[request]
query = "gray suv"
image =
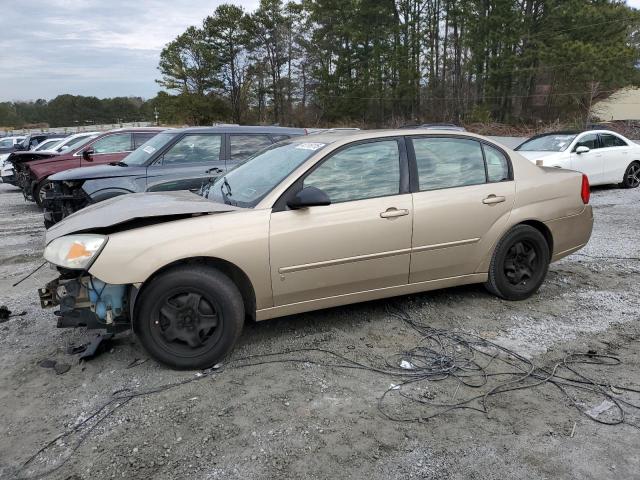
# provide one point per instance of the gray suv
(176, 159)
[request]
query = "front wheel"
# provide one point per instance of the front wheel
(40, 191)
(189, 317)
(519, 264)
(631, 177)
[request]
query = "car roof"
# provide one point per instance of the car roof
(241, 129)
(356, 135)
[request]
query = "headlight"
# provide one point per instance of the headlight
(75, 251)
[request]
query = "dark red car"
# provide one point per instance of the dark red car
(32, 169)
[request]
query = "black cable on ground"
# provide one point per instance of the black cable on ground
(472, 363)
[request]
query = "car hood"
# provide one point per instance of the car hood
(97, 172)
(134, 210)
(27, 156)
(533, 156)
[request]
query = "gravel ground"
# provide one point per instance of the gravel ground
(302, 420)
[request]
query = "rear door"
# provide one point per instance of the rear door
(243, 146)
(590, 163)
(110, 148)
(463, 193)
(615, 157)
(188, 164)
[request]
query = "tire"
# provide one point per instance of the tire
(40, 190)
(189, 317)
(519, 264)
(631, 177)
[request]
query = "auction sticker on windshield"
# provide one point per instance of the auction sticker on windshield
(310, 146)
(149, 149)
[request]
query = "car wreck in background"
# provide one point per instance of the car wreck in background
(32, 169)
(180, 159)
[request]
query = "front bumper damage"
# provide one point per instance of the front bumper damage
(62, 200)
(85, 301)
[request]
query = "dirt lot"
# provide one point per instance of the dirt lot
(302, 420)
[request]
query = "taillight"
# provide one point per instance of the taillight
(585, 191)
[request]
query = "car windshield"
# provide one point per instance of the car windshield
(144, 152)
(547, 143)
(249, 182)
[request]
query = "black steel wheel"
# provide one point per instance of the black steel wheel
(189, 317)
(632, 176)
(519, 264)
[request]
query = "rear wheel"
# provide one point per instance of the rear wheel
(189, 317)
(519, 264)
(631, 177)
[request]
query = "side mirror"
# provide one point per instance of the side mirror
(582, 149)
(309, 197)
(86, 154)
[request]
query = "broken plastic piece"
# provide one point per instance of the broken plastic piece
(407, 365)
(96, 346)
(597, 410)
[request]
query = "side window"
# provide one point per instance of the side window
(194, 149)
(119, 142)
(448, 162)
(140, 137)
(362, 171)
(243, 146)
(497, 164)
(590, 140)
(609, 140)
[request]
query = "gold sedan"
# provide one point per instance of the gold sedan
(311, 223)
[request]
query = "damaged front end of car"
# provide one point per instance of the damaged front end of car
(82, 299)
(85, 301)
(63, 199)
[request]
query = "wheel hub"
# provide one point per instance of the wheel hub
(187, 318)
(520, 263)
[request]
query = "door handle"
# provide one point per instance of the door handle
(491, 199)
(394, 212)
(214, 170)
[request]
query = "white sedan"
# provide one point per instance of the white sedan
(605, 157)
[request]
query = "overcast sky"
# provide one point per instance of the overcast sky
(104, 48)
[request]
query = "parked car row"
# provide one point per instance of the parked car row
(285, 222)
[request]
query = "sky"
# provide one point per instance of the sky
(103, 48)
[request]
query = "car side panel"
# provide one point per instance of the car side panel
(544, 195)
(241, 238)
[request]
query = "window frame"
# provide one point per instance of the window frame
(236, 134)
(159, 159)
(413, 162)
(404, 185)
(97, 139)
(601, 140)
(583, 135)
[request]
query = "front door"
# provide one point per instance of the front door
(458, 205)
(188, 164)
(590, 163)
(110, 148)
(360, 242)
